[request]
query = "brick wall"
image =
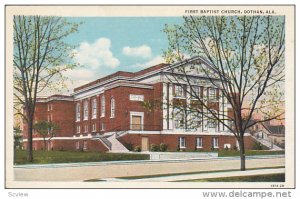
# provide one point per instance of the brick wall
(172, 141)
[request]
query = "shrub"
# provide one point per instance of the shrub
(137, 149)
(154, 147)
(235, 148)
(163, 147)
(259, 146)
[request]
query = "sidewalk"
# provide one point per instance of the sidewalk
(201, 176)
(97, 170)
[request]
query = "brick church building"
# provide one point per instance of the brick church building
(111, 114)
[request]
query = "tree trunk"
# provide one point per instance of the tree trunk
(242, 153)
(45, 144)
(29, 141)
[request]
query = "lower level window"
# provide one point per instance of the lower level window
(199, 142)
(215, 142)
(84, 145)
(102, 126)
(182, 142)
(94, 127)
(77, 145)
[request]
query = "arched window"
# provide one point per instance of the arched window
(77, 112)
(112, 107)
(85, 110)
(94, 109)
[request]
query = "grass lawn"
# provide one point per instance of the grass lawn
(225, 153)
(255, 178)
(45, 157)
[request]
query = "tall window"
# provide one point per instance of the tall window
(112, 107)
(85, 110)
(179, 119)
(78, 112)
(179, 91)
(94, 115)
(196, 92)
(181, 142)
(212, 94)
(102, 106)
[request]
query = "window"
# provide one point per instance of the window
(195, 120)
(102, 126)
(112, 107)
(94, 114)
(211, 123)
(94, 127)
(179, 91)
(212, 94)
(199, 142)
(48, 107)
(86, 128)
(136, 121)
(85, 110)
(77, 145)
(215, 143)
(179, 118)
(78, 129)
(51, 107)
(102, 106)
(136, 97)
(181, 142)
(84, 145)
(78, 112)
(197, 92)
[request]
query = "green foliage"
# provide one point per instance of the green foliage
(154, 147)
(46, 129)
(47, 157)
(17, 138)
(259, 146)
(224, 153)
(163, 147)
(137, 149)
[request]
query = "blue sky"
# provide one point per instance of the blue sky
(109, 44)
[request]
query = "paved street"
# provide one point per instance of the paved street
(99, 170)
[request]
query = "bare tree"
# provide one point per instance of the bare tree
(242, 57)
(40, 56)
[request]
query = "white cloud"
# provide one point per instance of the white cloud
(143, 51)
(96, 55)
(156, 60)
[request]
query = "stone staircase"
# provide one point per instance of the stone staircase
(112, 143)
(267, 143)
(116, 146)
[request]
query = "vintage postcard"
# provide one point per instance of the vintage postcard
(150, 96)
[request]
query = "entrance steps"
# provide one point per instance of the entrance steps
(116, 146)
(267, 143)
